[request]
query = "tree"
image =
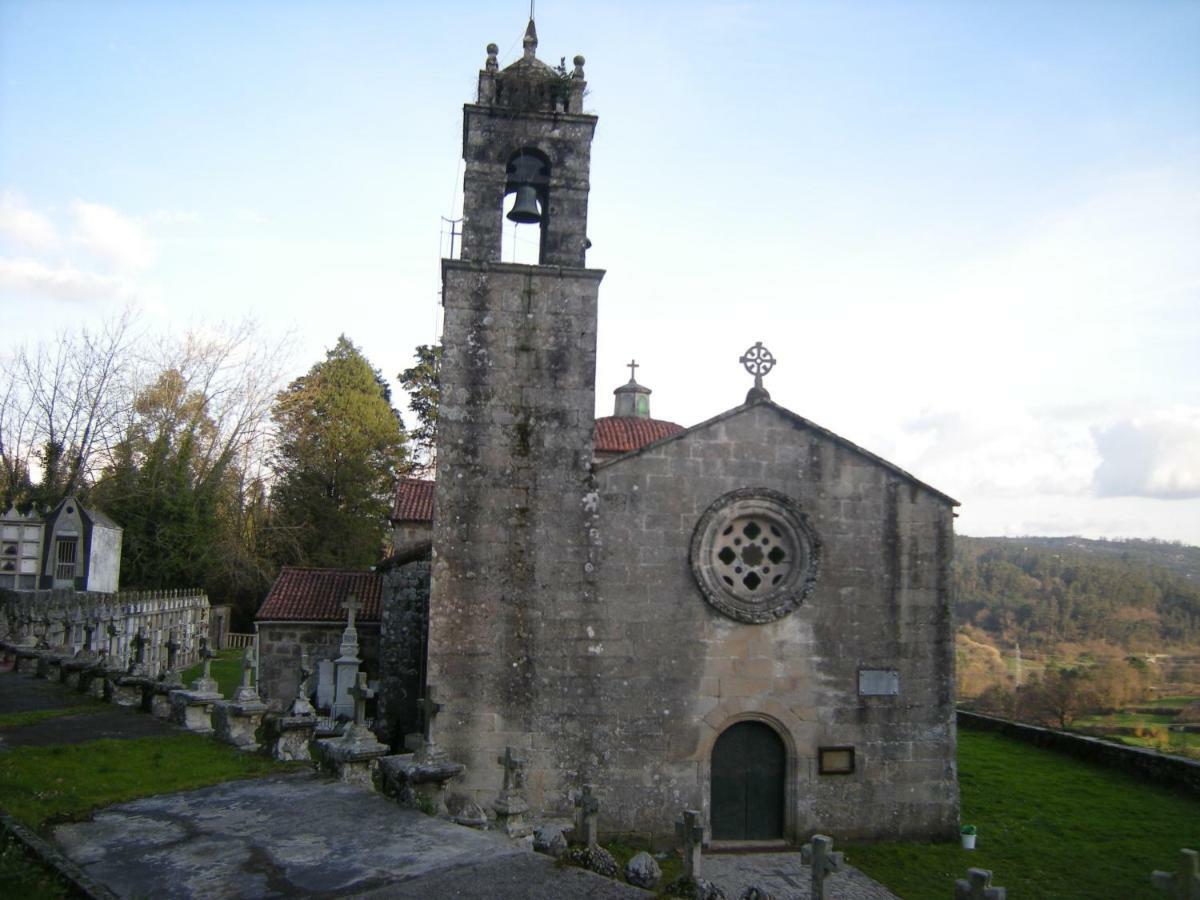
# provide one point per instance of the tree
(423, 384)
(59, 411)
(1059, 696)
(340, 447)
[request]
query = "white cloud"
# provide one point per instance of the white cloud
(25, 277)
(112, 236)
(1151, 456)
(25, 226)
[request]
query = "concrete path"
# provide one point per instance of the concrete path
(786, 878)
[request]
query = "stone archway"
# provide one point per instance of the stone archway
(748, 783)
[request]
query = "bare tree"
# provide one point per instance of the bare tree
(61, 405)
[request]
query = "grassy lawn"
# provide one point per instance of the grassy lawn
(1050, 827)
(28, 717)
(27, 878)
(43, 785)
(226, 669)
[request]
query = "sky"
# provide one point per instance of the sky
(969, 232)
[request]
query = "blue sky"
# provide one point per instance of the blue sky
(968, 231)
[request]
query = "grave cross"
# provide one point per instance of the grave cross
(361, 694)
(977, 886)
(512, 769)
(819, 854)
(589, 811)
(691, 832)
(429, 710)
(352, 605)
(172, 650)
(247, 666)
(1184, 882)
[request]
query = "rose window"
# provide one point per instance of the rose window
(754, 555)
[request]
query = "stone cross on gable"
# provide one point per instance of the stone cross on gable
(589, 812)
(632, 367)
(1184, 882)
(820, 855)
(429, 710)
(512, 769)
(361, 694)
(691, 832)
(977, 886)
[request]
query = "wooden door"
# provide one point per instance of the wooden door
(748, 775)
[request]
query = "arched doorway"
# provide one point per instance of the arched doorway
(749, 764)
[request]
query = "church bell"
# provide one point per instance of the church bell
(525, 209)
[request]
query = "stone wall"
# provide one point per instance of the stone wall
(279, 652)
(656, 673)
(1174, 771)
(60, 621)
(404, 627)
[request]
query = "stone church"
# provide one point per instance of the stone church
(750, 616)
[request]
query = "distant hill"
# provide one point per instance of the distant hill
(1137, 595)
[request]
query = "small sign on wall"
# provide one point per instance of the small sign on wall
(878, 682)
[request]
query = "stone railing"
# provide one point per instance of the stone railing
(123, 628)
(235, 641)
(1160, 767)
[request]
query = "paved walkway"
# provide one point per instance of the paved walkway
(300, 835)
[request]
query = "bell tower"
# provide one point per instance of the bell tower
(511, 541)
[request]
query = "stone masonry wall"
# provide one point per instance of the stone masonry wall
(510, 543)
(404, 629)
(279, 652)
(658, 673)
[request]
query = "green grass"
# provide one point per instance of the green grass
(43, 785)
(226, 669)
(25, 877)
(28, 717)
(625, 850)
(1050, 827)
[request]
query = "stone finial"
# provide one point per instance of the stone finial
(977, 886)
(579, 61)
(758, 361)
(492, 64)
(691, 832)
(530, 41)
(820, 855)
(585, 819)
(1184, 882)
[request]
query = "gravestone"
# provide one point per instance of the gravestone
(691, 832)
(510, 805)
(824, 860)
(350, 756)
(326, 684)
(419, 778)
(1184, 882)
(236, 721)
(291, 735)
(347, 663)
(977, 886)
(587, 811)
(193, 708)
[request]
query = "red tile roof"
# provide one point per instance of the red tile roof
(317, 595)
(621, 434)
(413, 501)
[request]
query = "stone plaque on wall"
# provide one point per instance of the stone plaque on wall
(878, 682)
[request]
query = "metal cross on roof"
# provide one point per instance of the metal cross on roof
(632, 366)
(758, 361)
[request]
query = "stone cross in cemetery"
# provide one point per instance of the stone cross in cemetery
(88, 630)
(977, 886)
(246, 693)
(139, 650)
(205, 683)
(423, 744)
(172, 651)
(585, 819)
(361, 692)
(820, 855)
(1184, 882)
(113, 631)
(510, 806)
(347, 663)
(691, 832)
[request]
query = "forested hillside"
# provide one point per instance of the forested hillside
(1139, 596)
